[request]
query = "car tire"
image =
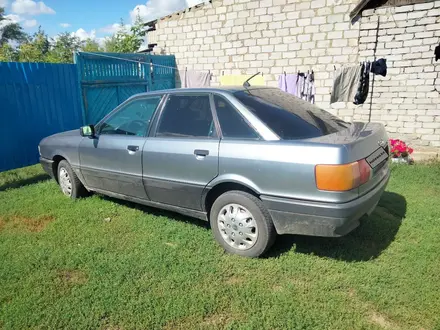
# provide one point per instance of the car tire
(251, 234)
(69, 183)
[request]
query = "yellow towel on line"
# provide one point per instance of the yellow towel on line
(238, 80)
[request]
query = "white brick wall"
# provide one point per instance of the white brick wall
(405, 101)
(273, 36)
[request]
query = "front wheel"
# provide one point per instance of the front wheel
(69, 183)
(241, 224)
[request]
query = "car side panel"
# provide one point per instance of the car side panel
(62, 144)
(65, 145)
(108, 165)
(172, 172)
(280, 169)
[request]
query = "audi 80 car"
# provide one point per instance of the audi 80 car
(253, 161)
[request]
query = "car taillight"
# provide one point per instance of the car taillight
(342, 177)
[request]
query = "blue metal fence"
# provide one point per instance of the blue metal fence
(108, 79)
(36, 100)
(40, 99)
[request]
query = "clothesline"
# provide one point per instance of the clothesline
(309, 86)
(135, 61)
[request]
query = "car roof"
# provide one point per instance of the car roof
(220, 89)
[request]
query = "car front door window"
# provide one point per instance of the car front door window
(133, 119)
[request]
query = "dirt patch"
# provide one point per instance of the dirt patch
(234, 280)
(34, 225)
(381, 321)
(277, 288)
(182, 323)
(216, 320)
(351, 293)
(374, 317)
(72, 276)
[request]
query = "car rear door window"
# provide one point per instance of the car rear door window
(187, 116)
(132, 119)
(288, 116)
(232, 124)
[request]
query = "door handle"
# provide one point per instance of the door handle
(201, 153)
(132, 149)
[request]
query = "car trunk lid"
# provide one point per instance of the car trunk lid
(367, 141)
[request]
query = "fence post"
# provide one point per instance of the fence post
(79, 71)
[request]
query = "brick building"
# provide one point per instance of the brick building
(276, 36)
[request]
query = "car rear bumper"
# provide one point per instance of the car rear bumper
(322, 219)
(47, 165)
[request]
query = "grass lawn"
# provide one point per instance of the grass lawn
(63, 264)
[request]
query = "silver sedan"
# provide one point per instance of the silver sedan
(255, 162)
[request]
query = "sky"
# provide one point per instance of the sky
(94, 19)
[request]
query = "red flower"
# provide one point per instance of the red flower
(399, 148)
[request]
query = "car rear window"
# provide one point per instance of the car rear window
(288, 116)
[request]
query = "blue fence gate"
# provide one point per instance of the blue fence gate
(36, 100)
(108, 79)
(40, 99)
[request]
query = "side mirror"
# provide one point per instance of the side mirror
(88, 131)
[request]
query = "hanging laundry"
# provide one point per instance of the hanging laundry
(288, 83)
(345, 84)
(301, 85)
(364, 84)
(437, 53)
(282, 82)
(309, 88)
(379, 67)
(238, 80)
(194, 79)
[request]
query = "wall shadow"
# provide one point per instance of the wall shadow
(366, 242)
(25, 182)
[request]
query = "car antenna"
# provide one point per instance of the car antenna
(246, 83)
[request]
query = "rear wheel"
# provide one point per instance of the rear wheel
(241, 224)
(69, 183)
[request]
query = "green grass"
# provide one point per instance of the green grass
(63, 266)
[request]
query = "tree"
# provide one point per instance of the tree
(63, 47)
(9, 31)
(35, 49)
(111, 44)
(90, 45)
(124, 41)
(29, 53)
(7, 53)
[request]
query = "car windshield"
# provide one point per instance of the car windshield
(288, 116)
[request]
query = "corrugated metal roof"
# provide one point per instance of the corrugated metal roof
(152, 22)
